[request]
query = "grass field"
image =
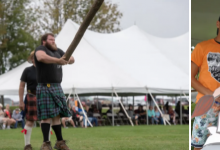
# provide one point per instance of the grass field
(107, 138)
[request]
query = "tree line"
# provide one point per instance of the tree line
(22, 22)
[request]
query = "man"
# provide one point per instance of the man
(51, 103)
(29, 105)
(16, 115)
(205, 60)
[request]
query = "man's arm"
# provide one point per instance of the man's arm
(43, 57)
(195, 83)
(21, 94)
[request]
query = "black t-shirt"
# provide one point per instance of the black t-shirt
(29, 76)
(49, 73)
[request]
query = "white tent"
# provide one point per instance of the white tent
(157, 63)
(96, 69)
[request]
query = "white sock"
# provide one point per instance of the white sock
(8, 127)
(3, 127)
(27, 136)
(49, 133)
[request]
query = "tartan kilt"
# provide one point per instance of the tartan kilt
(31, 107)
(51, 101)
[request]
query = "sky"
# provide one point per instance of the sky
(162, 18)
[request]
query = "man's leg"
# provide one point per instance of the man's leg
(45, 127)
(27, 135)
(16, 124)
(64, 122)
(56, 125)
(72, 123)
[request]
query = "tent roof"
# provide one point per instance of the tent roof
(153, 61)
(126, 61)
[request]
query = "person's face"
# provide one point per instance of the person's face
(16, 111)
(50, 43)
(151, 108)
(7, 106)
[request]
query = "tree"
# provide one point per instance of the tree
(57, 12)
(16, 41)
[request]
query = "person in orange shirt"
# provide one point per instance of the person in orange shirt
(205, 60)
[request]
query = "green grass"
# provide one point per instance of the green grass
(107, 138)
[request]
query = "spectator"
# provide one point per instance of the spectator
(158, 115)
(172, 115)
(71, 102)
(8, 115)
(109, 110)
(92, 119)
(16, 115)
(121, 110)
(151, 115)
(98, 105)
(140, 112)
(164, 111)
(4, 120)
(131, 114)
(69, 119)
(76, 116)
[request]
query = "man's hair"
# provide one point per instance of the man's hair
(44, 37)
(218, 28)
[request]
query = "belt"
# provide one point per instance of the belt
(48, 84)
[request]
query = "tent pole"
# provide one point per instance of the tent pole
(146, 109)
(158, 107)
(181, 121)
(69, 95)
(86, 118)
(133, 103)
(124, 108)
(112, 110)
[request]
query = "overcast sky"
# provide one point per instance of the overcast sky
(163, 18)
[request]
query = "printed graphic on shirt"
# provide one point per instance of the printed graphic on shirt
(213, 60)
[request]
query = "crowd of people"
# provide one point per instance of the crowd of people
(77, 118)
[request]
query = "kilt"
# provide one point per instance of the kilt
(31, 107)
(51, 101)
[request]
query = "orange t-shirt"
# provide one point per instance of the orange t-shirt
(206, 56)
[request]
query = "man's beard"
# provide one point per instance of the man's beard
(50, 46)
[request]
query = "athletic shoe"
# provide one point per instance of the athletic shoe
(28, 147)
(46, 146)
(61, 145)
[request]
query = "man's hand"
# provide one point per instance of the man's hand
(21, 105)
(62, 61)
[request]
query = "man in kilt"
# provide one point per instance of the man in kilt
(30, 107)
(51, 103)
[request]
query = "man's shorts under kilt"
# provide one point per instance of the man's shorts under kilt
(200, 132)
(51, 101)
(31, 107)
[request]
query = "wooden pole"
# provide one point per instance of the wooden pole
(82, 29)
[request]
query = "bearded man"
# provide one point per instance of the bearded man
(51, 103)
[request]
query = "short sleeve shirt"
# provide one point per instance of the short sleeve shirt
(49, 73)
(206, 56)
(29, 76)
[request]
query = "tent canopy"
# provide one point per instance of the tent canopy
(126, 62)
